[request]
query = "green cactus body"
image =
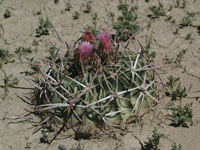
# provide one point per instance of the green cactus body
(112, 93)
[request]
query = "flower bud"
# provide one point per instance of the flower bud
(105, 42)
(84, 51)
(88, 36)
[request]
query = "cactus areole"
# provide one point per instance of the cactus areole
(98, 83)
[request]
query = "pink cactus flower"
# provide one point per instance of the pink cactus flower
(84, 51)
(105, 42)
(88, 36)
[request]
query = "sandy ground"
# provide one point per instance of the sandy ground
(19, 30)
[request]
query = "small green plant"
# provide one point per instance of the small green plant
(170, 8)
(175, 147)
(176, 60)
(184, 4)
(5, 57)
(152, 143)
(68, 6)
(180, 56)
(7, 13)
(9, 81)
(188, 36)
(56, 1)
(182, 115)
(172, 81)
(168, 18)
(112, 15)
(168, 60)
(35, 43)
(173, 21)
(88, 7)
(126, 24)
(176, 31)
(158, 10)
(175, 90)
(94, 21)
(39, 12)
(150, 55)
(21, 51)
(44, 25)
(53, 52)
(76, 15)
(198, 29)
(178, 4)
(187, 20)
(34, 65)
(45, 133)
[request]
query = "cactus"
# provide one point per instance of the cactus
(99, 82)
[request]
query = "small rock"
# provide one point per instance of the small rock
(61, 147)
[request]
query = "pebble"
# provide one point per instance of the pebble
(61, 147)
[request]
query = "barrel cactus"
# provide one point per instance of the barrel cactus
(99, 81)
